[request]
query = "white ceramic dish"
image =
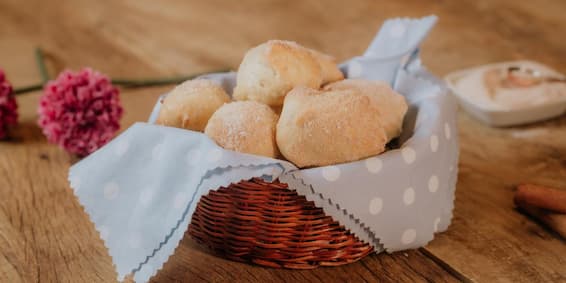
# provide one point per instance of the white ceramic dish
(502, 118)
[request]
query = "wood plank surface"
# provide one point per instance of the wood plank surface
(194, 264)
(45, 235)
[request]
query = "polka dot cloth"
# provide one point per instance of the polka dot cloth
(193, 157)
(104, 232)
(111, 190)
(409, 196)
(135, 241)
(408, 236)
(447, 133)
(434, 143)
(146, 197)
(375, 206)
(214, 155)
(409, 154)
(180, 200)
(374, 165)
(330, 173)
(436, 223)
(398, 30)
(433, 184)
(158, 151)
(122, 147)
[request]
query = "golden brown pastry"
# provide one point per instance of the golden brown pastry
(392, 105)
(191, 104)
(318, 128)
(272, 69)
(244, 126)
(330, 71)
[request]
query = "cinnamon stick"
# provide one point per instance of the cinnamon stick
(541, 197)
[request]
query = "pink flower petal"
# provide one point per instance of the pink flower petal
(80, 111)
(8, 106)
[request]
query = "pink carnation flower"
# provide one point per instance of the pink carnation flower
(8, 106)
(80, 111)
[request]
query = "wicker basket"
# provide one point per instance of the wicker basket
(268, 224)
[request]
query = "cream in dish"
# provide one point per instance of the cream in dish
(488, 87)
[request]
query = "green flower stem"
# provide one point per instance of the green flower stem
(40, 60)
(127, 83)
(30, 88)
(130, 83)
(158, 81)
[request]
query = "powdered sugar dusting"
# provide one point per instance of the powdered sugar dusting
(245, 126)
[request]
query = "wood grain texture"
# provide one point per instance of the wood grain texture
(45, 235)
(194, 264)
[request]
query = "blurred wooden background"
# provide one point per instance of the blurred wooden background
(45, 235)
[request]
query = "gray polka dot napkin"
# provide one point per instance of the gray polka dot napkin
(141, 189)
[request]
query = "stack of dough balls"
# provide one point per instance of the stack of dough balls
(323, 119)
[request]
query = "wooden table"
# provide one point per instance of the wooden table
(45, 235)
